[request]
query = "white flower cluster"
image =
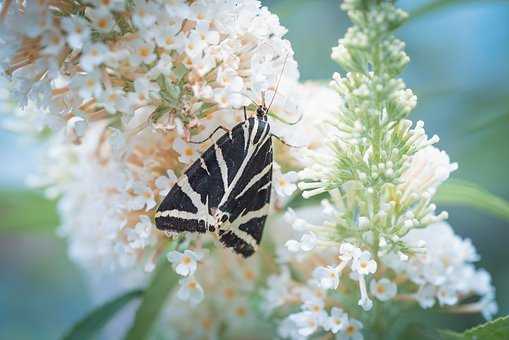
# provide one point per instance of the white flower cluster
(378, 235)
(445, 270)
(169, 65)
(122, 87)
(227, 311)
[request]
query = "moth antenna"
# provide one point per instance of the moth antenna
(263, 99)
(286, 121)
(278, 81)
(287, 144)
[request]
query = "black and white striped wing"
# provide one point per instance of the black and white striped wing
(227, 190)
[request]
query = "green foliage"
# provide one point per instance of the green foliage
(26, 211)
(92, 323)
(154, 298)
(493, 330)
(459, 192)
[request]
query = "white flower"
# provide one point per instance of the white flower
(327, 277)
(429, 168)
(166, 37)
(313, 304)
(284, 184)
(384, 289)
(101, 18)
(165, 183)
(76, 127)
(77, 29)
(363, 264)
(111, 5)
(141, 235)
(195, 45)
(365, 302)
(143, 52)
(447, 295)
(190, 290)
(337, 321)
(53, 42)
(184, 263)
(277, 291)
(145, 14)
(288, 329)
(143, 197)
(306, 322)
(88, 85)
(426, 296)
(93, 56)
(111, 99)
(348, 252)
(351, 331)
(307, 243)
(488, 306)
(187, 152)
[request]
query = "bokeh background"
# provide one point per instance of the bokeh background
(459, 70)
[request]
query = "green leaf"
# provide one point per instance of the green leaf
(154, 298)
(459, 192)
(26, 211)
(493, 330)
(92, 323)
(436, 5)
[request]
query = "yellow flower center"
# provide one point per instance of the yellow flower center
(102, 23)
(168, 40)
(186, 260)
(144, 52)
(241, 311)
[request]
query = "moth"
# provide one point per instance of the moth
(227, 189)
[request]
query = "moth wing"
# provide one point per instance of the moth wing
(249, 202)
(233, 175)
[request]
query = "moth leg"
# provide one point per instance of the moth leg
(212, 134)
(285, 143)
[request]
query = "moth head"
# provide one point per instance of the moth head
(261, 111)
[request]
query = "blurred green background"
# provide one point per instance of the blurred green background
(459, 70)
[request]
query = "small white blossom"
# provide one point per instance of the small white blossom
(166, 182)
(190, 290)
(351, 331)
(188, 152)
(141, 235)
(307, 243)
(363, 264)
(77, 29)
(306, 322)
(93, 56)
(327, 277)
(337, 320)
(184, 263)
(143, 197)
(384, 289)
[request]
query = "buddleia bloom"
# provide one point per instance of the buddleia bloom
(379, 237)
(122, 88)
